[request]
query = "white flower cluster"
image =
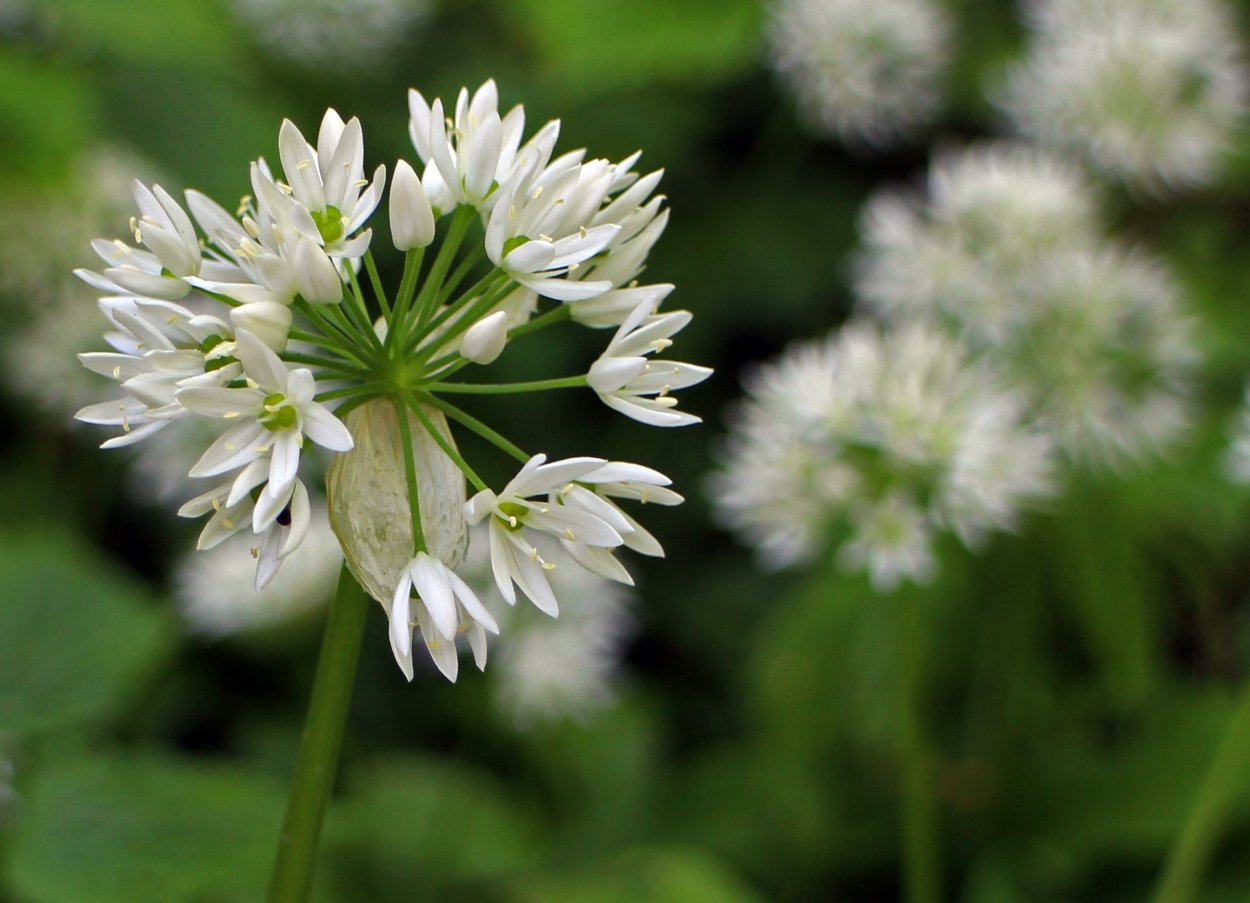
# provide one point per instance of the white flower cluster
(1151, 92)
(1007, 250)
(877, 440)
(291, 343)
(868, 72)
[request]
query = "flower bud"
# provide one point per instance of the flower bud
(412, 220)
(484, 340)
(315, 274)
(269, 321)
(367, 494)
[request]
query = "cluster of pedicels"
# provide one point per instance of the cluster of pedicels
(257, 323)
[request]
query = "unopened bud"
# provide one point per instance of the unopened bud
(484, 340)
(412, 220)
(269, 321)
(315, 274)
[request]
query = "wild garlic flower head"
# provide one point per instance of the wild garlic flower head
(867, 72)
(965, 247)
(256, 326)
(876, 440)
(1006, 250)
(1150, 92)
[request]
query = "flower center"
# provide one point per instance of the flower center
(278, 415)
(329, 223)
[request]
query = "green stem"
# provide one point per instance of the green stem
(1225, 779)
(318, 756)
(403, 298)
(472, 423)
(448, 449)
(427, 299)
(369, 389)
(537, 385)
(378, 288)
(918, 815)
(557, 315)
(465, 319)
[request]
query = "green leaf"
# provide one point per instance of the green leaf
(143, 827)
(76, 635)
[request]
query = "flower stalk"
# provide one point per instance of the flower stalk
(922, 876)
(320, 741)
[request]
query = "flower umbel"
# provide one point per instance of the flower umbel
(273, 329)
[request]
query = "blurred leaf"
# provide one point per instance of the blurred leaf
(656, 875)
(408, 825)
(76, 636)
(144, 827)
(593, 47)
(46, 110)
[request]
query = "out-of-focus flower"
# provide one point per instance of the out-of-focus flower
(866, 71)
(339, 36)
(215, 591)
(875, 440)
(1006, 250)
(1237, 456)
(1150, 92)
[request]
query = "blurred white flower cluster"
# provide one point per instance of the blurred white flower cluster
(1006, 248)
(868, 72)
(256, 327)
(1150, 91)
(876, 440)
(343, 36)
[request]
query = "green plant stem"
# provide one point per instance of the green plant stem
(378, 288)
(1226, 777)
(318, 756)
(537, 385)
(918, 815)
(475, 425)
(448, 449)
(413, 260)
(410, 473)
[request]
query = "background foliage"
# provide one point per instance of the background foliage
(1078, 674)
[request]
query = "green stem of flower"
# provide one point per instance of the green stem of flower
(556, 315)
(333, 332)
(448, 449)
(1224, 781)
(403, 298)
(475, 425)
(358, 310)
(537, 385)
(318, 756)
(410, 472)
(369, 389)
(458, 275)
(378, 288)
(427, 299)
(464, 320)
(325, 363)
(918, 815)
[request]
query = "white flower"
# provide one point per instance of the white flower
(484, 341)
(275, 411)
(478, 154)
(215, 589)
(895, 434)
(628, 380)
(445, 607)
(412, 220)
(1150, 92)
(866, 71)
(525, 505)
(327, 181)
(172, 255)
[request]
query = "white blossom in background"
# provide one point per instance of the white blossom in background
(1150, 91)
(868, 72)
(260, 335)
(875, 440)
(340, 36)
(1237, 455)
(1005, 249)
(215, 593)
(552, 669)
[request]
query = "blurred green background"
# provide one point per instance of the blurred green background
(1078, 675)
